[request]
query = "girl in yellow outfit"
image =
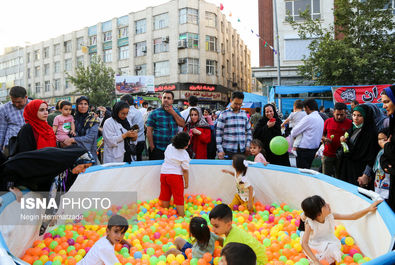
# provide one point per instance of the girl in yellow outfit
(245, 192)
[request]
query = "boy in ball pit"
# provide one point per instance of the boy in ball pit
(237, 254)
(102, 252)
(221, 217)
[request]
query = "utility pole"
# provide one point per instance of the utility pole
(278, 52)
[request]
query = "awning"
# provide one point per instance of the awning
(282, 90)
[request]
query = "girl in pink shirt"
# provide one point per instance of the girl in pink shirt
(63, 124)
(255, 149)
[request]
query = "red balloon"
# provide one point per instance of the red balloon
(221, 7)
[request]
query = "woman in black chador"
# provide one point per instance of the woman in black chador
(48, 169)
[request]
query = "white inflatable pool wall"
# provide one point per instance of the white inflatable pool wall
(374, 233)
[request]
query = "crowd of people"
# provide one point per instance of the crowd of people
(359, 150)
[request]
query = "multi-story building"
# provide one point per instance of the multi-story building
(187, 45)
(11, 70)
(292, 48)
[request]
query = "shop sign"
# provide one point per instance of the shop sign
(201, 88)
(216, 96)
(165, 87)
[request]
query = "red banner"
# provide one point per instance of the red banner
(363, 94)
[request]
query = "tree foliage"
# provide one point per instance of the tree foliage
(95, 81)
(358, 49)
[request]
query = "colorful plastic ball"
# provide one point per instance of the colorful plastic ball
(171, 258)
(349, 241)
(38, 262)
(357, 257)
(137, 255)
(180, 258)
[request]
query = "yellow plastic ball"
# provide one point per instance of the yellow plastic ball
(349, 241)
(180, 258)
(44, 258)
(58, 258)
(78, 257)
(171, 258)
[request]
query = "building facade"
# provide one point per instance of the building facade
(187, 45)
(292, 48)
(11, 70)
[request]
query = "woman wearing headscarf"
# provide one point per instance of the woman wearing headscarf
(268, 127)
(47, 169)
(356, 163)
(200, 133)
(118, 136)
(388, 158)
(86, 127)
(36, 133)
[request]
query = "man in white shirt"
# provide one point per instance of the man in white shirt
(135, 117)
(311, 128)
(143, 110)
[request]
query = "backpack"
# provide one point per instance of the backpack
(212, 145)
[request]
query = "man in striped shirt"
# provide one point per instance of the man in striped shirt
(233, 134)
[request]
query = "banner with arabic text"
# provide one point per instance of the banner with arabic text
(363, 94)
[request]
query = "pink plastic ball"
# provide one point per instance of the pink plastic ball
(156, 235)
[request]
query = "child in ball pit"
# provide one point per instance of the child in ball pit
(237, 254)
(174, 174)
(102, 252)
(319, 227)
(245, 192)
(205, 240)
(221, 217)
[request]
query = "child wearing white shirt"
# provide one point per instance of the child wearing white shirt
(102, 252)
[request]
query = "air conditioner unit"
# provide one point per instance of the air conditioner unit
(165, 39)
(144, 49)
(181, 60)
(182, 44)
(137, 68)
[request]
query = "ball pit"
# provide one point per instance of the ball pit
(153, 230)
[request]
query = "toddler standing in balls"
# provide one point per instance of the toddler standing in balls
(245, 192)
(204, 240)
(174, 173)
(320, 226)
(102, 252)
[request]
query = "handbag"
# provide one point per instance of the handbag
(12, 146)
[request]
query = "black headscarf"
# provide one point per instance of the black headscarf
(265, 119)
(83, 121)
(36, 169)
(120, 105)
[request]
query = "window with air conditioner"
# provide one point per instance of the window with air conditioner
(189, 66)
(140, 49)
(160, 45)
(191, 39)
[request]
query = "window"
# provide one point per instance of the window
(80, 60)
(92, 57)
(233, 59)
(28, 73)
(141, 69)
(80, 43)
(37, 85)
(37, 55)
(189, 15)
(56, 49)
(124, 70)
(123, 32)
(57, 84)
(28, 57)
(161, 68)
(67, 65)
(161, 45)
(211, 43)
(93, 40)
(161, 21)
(191, 39)
(211, 19)
(46, 69)
(67, 84)
(228, 66)
(189, 66)
(46, 52)
(67, 46)
(141, 26)
(107, 57)
(211, 67)
(295, 49)
(47, 86)
(222, 27)
(57, 67)
(107, 36)
(124, 52)
(295, 7)
(140, 48)
(223, 70)
(37, 71)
